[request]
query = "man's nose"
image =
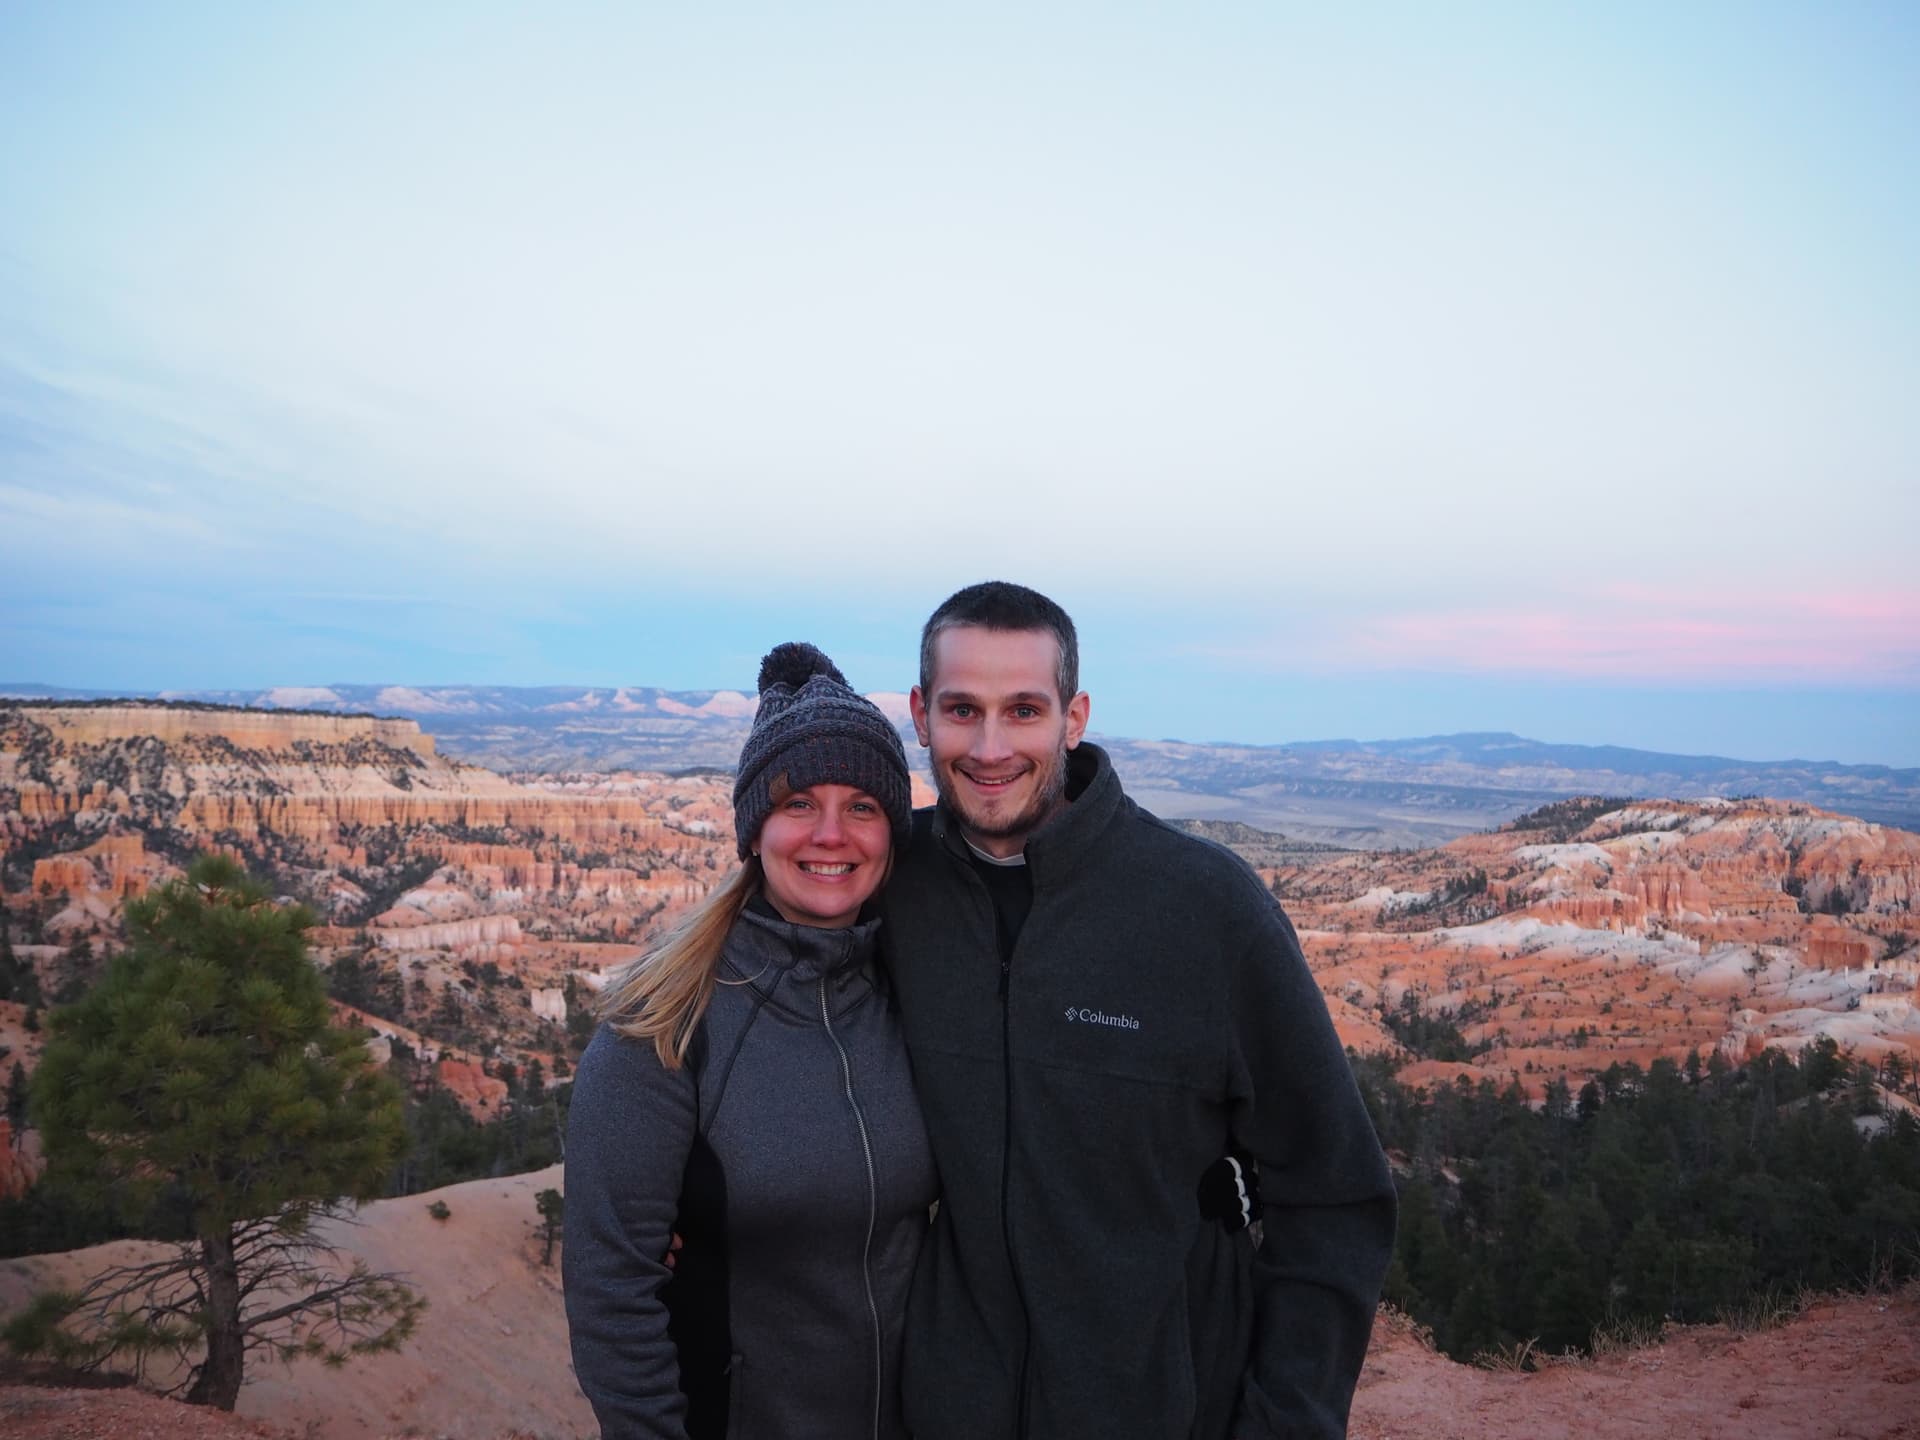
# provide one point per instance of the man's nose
(990, 741)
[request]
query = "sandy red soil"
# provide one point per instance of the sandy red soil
(1847, 1368)
(488, 1361)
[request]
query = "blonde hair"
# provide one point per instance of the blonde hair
(662, 995)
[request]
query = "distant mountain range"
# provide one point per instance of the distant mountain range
(1370, 794)
(1363, 794)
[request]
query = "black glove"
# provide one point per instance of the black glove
(1230, 1191)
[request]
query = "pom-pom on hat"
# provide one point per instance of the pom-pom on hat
(813, 729)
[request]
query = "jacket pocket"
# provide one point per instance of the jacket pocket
(1186, 1390)
(738, 1426)
(1220, 1327)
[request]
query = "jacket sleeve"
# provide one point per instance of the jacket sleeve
(631, 1124)
(1327, 1195)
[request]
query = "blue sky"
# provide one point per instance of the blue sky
(1348, 371)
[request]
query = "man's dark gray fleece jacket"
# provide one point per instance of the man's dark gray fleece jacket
(782, 1317)
(1156, 1009)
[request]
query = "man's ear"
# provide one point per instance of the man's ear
(917, 703)
(1078, 709)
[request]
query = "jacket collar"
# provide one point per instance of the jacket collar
(762, 944)
(1063, 841)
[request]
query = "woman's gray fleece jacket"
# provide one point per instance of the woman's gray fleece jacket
(789, 1154)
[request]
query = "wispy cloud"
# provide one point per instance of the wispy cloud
(100, 517)
(1646, 632)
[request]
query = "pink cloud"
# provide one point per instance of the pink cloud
(1662, 633)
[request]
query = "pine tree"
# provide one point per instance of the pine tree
(17, 1099)
(203, 1068)
(1821, 1065)
(1894, 1070)
(553, 1209)
(18, 978)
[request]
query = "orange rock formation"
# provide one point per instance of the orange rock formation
(1653, 929)
(530, 880)
(1656, 929)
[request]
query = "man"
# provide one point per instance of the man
(1098, 1007)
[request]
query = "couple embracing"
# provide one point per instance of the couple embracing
(1084, 1034)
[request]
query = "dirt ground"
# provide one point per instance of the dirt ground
(488, 1361)
(1844, 1369)
(35, 1413)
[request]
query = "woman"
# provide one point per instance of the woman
(749, 1090)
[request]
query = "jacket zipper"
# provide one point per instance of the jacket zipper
(1005, 942)
(873, 1207)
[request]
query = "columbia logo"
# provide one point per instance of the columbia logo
(1086, 1016)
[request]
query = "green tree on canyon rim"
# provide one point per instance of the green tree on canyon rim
(553, 1213)
(202, 1076)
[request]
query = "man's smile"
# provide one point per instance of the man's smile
(990, 782)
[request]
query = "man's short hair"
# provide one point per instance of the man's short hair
(1002, 605)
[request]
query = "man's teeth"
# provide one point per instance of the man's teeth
(819, 869)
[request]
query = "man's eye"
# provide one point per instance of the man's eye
(1025, 712)
(962, 712)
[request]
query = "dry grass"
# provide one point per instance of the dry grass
(1515, 1359)
(1625, 1334)
(1390, 1319)
(1768, 1309)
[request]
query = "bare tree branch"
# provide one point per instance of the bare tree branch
(300, 1297)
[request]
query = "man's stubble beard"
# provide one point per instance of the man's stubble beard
(1047, 797)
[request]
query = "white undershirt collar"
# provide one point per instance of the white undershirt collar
(1007, 862)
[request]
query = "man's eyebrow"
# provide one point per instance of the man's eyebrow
(1019, 697)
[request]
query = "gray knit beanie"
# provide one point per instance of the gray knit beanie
(813, 730)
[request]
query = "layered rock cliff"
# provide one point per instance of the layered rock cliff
(454, 896)
(479, 912)
(1588, 934)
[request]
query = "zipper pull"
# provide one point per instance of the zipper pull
(1006, 969)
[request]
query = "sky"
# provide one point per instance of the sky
(1348, 371)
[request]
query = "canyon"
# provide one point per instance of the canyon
(466, 918)
(483, 910)
(470, 902)
(1593, 933)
